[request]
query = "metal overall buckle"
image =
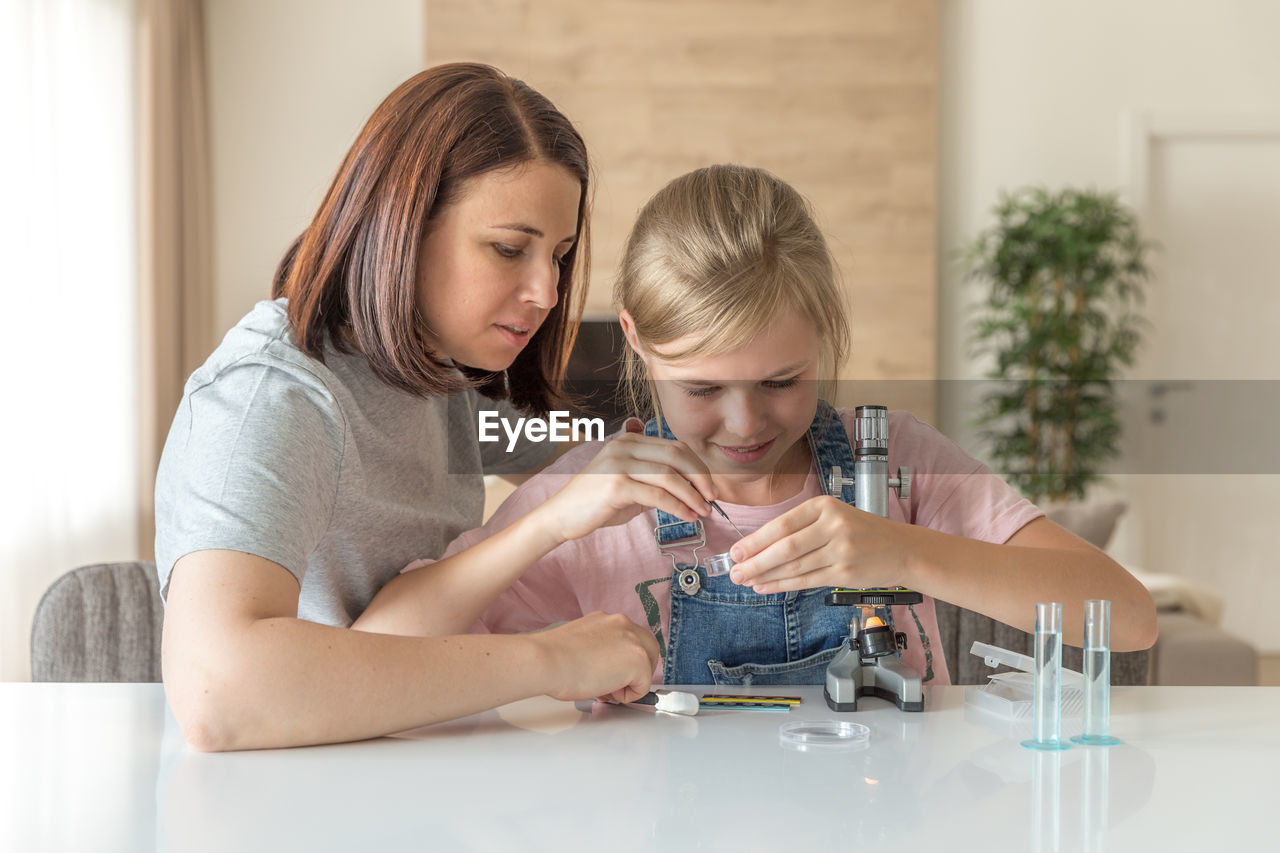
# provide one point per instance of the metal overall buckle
(690, 579)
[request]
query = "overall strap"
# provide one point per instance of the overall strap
(670, 529)
(829, 443)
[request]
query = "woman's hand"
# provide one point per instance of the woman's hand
(601, 655)
(822, 542)
(629, 475)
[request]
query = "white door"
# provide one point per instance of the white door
(1201, 468)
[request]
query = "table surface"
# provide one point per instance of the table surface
(104, 767)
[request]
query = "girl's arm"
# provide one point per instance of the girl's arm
(241, 671)
(1041, 562)
(628, 475)
(825, 542)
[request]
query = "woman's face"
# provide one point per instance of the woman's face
(490, 263)
(744, 411)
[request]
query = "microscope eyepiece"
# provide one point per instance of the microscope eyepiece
(871, 431)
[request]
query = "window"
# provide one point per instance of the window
(67, 239)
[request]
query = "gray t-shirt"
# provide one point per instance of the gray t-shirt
(320, 467)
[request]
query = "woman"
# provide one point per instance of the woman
(332, 432)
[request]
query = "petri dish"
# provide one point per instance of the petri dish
(824, 734)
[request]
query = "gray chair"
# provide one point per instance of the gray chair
(959, 628)
(99, 623)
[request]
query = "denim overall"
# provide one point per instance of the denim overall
(725, 634)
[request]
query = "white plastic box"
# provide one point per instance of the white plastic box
(1008, 694)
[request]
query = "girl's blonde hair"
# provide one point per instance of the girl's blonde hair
(724, 250)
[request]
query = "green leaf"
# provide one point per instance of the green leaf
(1064, 274)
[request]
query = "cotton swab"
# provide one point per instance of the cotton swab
(671, 701)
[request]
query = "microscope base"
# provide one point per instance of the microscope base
(850, 678)
(880, 692)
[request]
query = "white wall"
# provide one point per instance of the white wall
(290, 84)
(1037, 93)
(1040, 93)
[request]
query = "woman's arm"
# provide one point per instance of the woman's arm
(628, 475)
(825, 542)
(241, 671)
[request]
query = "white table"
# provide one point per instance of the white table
(103, 767)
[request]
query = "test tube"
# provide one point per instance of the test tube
(1097, 675)
(1046, 680)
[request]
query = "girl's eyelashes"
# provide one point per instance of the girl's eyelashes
(703, 391)
(700, 390)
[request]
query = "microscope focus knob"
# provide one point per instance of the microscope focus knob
(903, 483)
(837, 481)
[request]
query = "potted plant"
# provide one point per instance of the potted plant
(1064, 274)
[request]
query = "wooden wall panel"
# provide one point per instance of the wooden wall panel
(838, 97)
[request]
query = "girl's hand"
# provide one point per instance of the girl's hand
(630, 474)
(822, 542)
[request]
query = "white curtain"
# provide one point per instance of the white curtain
(68, 259)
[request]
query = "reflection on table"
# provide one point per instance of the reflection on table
(104, 767)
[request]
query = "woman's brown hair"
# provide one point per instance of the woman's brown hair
(351, 276)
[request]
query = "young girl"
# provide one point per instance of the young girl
(734, 319)
(330, 437)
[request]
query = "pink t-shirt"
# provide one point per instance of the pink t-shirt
(619, 569)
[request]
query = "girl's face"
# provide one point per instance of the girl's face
(743, 412)
(490, 263)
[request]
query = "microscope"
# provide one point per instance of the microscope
(866, 664)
